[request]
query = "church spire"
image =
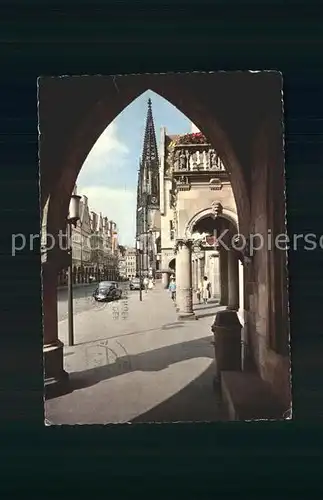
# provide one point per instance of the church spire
(150, 152)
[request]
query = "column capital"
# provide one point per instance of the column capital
(183, 242)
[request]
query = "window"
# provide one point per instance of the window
(171, 228)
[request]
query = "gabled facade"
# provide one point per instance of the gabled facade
(94, 247)
(130, 262)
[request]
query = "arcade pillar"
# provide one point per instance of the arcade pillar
(184, 292)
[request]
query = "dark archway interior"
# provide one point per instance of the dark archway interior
(210, 224)
(218, 227)
(172, 264)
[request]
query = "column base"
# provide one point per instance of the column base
(186, 316)
(55, 377)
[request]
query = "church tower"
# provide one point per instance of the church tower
(148, 210)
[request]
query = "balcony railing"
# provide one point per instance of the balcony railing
(194, 158)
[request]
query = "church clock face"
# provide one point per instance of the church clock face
(154, 199)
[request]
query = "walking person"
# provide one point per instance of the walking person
(146, 283)
(206, 291)
(150, 284)
(198, 295)
(172, 289)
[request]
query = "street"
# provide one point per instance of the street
(134, 362)
(82, 299)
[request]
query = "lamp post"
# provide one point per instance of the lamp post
(72, 219)
(139, 253)
(82, 272)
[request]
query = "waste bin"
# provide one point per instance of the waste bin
(227, 341)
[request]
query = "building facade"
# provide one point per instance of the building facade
(122, 268)
(197, 203)
(104, 247)
(81, 251)
(131, 263)
(94, 247)
(148, 210)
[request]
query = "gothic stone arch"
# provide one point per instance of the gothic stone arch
(172, 263)
(217, 103)
(229, 108)
(228, 214)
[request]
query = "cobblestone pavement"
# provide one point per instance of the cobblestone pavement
(134, 362)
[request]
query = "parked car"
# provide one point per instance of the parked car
(135, 284)
(107, 291)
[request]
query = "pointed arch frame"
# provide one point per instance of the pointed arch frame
(98, 118)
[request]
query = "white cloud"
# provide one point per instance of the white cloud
(118, 205)
(101, 177)
(107, 149)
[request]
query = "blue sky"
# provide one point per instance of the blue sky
(109, 174)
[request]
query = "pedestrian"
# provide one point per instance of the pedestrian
(151, 284)
(198, 295)
(206, 290)
(172, 289)
(146, 283)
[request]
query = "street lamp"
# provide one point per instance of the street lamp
(139, 253)
(73, 217)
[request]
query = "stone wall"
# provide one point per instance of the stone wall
(198, 199)
(266, 286)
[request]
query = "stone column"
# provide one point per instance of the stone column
(233, 281)
(241, 292)
(216, 292)
(241, 314)
(184, 292)
(192, 269)
(208, 265)
(55, 376)
(198, 272)
(202, 267)
(223, 277)
(193, 274)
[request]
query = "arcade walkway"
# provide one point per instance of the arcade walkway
(135, 362)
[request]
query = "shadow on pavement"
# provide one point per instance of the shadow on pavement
(199, 401)
(154, 360)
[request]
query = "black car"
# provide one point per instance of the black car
(135, 284)
(107, 291)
